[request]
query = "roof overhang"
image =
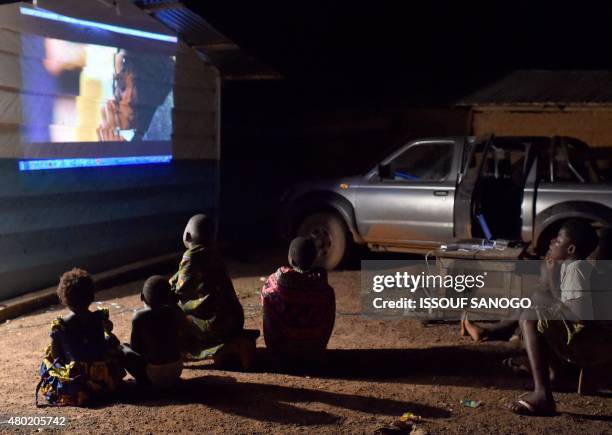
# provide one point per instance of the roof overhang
(212, 46)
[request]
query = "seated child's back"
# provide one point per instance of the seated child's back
(80, 337)
(155, 356)
(299, 306)
(155, 327)
(206, 293)
(83, 360)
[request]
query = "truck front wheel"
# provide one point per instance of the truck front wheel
(331, 238)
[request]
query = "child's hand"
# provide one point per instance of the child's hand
(552, 270)
(551, 263)
(108, 326)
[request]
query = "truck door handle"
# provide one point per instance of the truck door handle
(440, 192)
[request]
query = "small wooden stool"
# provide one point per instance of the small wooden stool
(594, 378)
(240, 348)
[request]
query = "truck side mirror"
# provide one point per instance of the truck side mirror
(384, 171)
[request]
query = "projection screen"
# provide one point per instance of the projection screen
(89, 94)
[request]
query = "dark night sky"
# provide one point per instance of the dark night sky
(429, 50)
(435, 49)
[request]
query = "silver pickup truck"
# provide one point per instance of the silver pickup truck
(430, 191)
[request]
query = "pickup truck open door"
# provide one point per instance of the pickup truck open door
(491, 188)
(469, 174)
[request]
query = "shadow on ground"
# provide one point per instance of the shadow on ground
(465, 366)
(276, 403)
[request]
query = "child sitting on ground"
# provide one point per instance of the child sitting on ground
(299, 307)
(206, 294)
(565, 325)
(154, 357)
(83, 361)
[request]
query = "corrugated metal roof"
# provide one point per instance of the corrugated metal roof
(545, 87)
(232, 61)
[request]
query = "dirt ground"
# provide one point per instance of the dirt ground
(376, 371)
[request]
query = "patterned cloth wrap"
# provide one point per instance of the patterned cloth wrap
(299, 312)
(208, 298)
(65, 381)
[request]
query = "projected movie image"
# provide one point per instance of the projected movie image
(91, 101)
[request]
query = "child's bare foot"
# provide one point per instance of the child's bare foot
(476, 332)
(516, 338)
(533, 404)
(593, 379)
(240, 349)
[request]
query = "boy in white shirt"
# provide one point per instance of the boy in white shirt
(565, 318)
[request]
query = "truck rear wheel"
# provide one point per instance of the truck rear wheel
(331, 238)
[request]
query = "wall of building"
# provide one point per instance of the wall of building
(592, 124)
(103, 217)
